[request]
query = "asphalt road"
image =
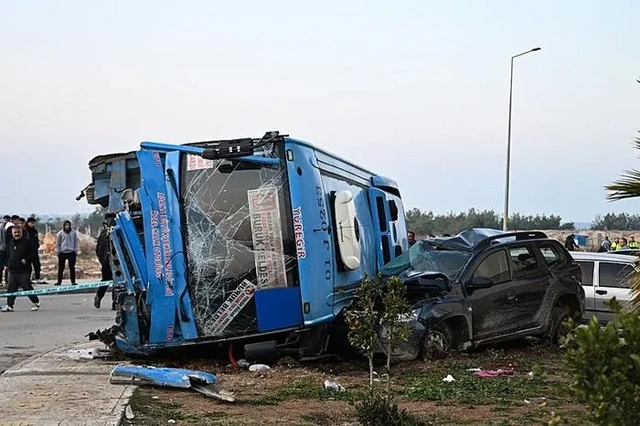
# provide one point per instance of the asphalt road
(62, 319)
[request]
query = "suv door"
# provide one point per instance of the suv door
(588, 270)
(530, 284)
(613, 281)
(492, 308)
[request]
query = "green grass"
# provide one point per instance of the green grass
(469, 389)
(307, 389)
(427, 384)
(152, 412)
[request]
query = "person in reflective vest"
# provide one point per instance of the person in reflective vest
(615, 245)
(633, 244)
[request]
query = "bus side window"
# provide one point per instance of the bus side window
(382, 217)
(393, 208)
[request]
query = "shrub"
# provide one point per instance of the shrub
(605, 366)
(375, 410)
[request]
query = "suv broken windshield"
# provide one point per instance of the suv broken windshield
(427, 256)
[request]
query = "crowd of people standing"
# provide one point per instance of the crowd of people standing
(619, 244)
(20, 258)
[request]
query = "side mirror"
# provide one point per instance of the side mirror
(480, 282)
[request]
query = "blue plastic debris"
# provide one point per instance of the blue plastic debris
(170, 377)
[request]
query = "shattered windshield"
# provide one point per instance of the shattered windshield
(239, 239)
(426, 257)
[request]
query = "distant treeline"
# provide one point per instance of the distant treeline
(616, 221)
(89, 224)
(425, 223)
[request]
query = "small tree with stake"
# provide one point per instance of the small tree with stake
(362, 319)
(394, 321)
(366, 318)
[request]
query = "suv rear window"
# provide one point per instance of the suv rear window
(524, 261)
(552, 255)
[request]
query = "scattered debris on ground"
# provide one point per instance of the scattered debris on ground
(87, 354)
(333, 386)
(304, 394)
(494, 373)
(449, 379)
(259, 368)
(128, 413)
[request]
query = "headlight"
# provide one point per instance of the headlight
(413, 316)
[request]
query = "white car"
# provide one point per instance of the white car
(605, 276)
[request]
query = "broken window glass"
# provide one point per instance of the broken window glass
(239, 239)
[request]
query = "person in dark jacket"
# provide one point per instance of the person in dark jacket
(21, 254)
(3, 246)
(31, 233)
(411, 236)
(102, 252)
(570, 243)
(7, 227)
(13, 221)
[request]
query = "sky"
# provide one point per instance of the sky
(414, 90)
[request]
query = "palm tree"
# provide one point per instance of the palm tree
(628, 186)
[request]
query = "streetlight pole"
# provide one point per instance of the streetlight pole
(505, 219)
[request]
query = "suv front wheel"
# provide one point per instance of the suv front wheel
(437, 342)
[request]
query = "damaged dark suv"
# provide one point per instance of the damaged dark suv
(485, 286)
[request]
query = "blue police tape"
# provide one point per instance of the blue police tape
(59, 289)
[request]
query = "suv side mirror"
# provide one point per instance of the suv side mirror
(480, 282)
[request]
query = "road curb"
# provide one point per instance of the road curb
(20, 370)
(19, 365)
(126, 395)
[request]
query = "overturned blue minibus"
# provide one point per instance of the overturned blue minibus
(258, 243)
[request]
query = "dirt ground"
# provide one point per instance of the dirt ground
(293, 394)
(87, 267)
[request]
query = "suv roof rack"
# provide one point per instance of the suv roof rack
(519, 236)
